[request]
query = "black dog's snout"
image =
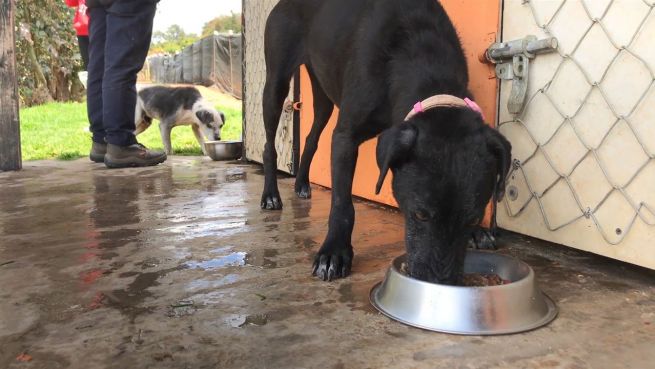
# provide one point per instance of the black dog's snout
(217, 137)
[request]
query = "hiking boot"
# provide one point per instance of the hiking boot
(98, 151)
(135, 155)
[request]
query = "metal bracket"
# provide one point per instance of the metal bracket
(291, 106)
(288, 106)
(512, 61)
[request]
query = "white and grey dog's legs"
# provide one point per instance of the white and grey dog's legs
(165, 127)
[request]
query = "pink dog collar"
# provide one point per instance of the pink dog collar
(418, 107)
(474, 106)
(444, 101)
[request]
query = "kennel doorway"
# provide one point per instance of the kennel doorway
(477, 24)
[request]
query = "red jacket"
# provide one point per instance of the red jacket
(81, 20)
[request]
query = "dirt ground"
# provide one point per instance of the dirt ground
(177, 267)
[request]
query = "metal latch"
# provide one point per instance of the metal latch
(512, 61)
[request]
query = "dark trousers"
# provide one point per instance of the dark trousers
(83, 42)
(119, 39)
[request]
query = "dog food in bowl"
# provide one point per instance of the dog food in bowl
(472, 279)
(482, 280)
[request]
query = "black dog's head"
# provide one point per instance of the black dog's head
(210, 122)
(446, 164)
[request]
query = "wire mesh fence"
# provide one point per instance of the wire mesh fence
(586, 136)
(214, 60)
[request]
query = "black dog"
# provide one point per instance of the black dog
(375, 59)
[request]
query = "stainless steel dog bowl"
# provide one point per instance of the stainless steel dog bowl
(510, 308)
(224, 150)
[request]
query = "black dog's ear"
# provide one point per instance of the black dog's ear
(502, 152)
(222, 117)
(204, 116)
(394, 145)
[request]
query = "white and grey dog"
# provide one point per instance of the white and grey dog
(177, 106)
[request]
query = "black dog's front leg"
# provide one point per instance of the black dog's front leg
(275, 90)
(334, 259)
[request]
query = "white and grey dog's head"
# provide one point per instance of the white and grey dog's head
(209, 120)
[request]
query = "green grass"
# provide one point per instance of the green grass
(60, 131)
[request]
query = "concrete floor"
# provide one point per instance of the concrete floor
(177, 267)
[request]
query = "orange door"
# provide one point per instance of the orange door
(477, 23)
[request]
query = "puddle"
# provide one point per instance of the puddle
(148, 263)
(128, 301)
(128, 274)
(220, 250)
(261, 258)
(230, 178)
(206, 229)
(273, 218)
(218, 209)
(307, 243)
(211, 298)
(240, 321)
(233, 259)
(301, 226)
(202, 284)
(108, 255)
(181, 308)
(356, 297)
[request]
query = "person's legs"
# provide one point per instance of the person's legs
(96, 71)
(129, 30)
(83, 42)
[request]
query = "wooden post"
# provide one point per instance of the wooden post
(10, 153)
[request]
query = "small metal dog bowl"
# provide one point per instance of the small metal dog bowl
(224, 150)
(510, 308)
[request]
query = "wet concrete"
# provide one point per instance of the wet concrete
(177, 267)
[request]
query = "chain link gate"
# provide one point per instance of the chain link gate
(256, 13)
(584, 142)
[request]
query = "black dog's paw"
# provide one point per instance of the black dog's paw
(303, 190)
(333, 262)
(482, 239)
(271, 201)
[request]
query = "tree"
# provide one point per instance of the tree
(173, 33)
(223, 23)
(47, 55)
(172, 40)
